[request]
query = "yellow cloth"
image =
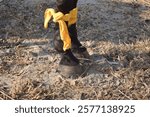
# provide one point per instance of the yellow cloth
(59, 17)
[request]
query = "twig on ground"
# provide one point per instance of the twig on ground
(125, 95)
(2, 92)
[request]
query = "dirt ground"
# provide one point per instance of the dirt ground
(115, 32)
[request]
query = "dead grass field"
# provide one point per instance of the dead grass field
(116, 33)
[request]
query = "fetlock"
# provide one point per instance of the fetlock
(80, 52)
(69, 59)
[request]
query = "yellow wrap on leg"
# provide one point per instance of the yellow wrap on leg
(59, 17)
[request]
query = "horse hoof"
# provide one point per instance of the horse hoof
(71, 71)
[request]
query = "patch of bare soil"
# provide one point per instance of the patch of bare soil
(116, 33)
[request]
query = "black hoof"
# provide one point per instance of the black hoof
(71, 71)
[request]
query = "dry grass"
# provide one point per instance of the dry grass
(118, 40)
